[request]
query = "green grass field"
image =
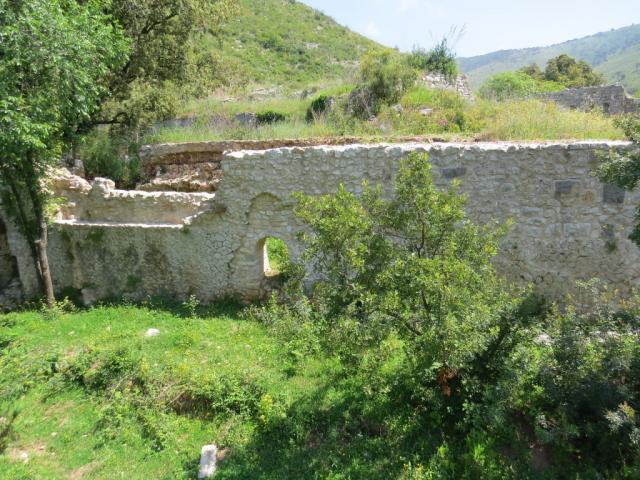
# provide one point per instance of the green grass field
(103, 427)
(86, 395)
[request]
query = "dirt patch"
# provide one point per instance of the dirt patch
(82, 471)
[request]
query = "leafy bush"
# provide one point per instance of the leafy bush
(319, 107)
(510, 85)
(415, 267)
(269, 117)
(580, 386)
(440, 59)
(384, 77)
(107, 155)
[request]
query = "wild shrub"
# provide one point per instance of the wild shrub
(269, 117)
(383, 78)
(579, 386)
(440, 59)
(412, 266)
(107, 155)
(319, 107)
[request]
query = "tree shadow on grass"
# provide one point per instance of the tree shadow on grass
(337, 433)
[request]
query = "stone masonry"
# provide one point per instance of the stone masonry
(110, 243)
(612, 100)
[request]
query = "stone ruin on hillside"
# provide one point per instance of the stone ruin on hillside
(210, 240)
(612, 99)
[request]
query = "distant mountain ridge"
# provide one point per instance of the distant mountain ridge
(615, 53)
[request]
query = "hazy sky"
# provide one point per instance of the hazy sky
(490, 24)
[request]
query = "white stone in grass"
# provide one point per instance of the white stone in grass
(152, 332)
(208, 457)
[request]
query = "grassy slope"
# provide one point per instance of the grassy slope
(58, 426)
(615, 53)
(300, 428)
(286, 43)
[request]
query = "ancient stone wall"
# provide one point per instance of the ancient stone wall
(612, 100)
(10, 288)
(567, 225)
(458, 84)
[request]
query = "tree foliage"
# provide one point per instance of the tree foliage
(572, 73)
(165, 50)
(440, 59)
(56, 57)
(412, 266)
(623, 169)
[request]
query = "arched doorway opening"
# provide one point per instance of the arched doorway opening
(275, 256)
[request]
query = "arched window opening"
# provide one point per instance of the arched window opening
(275, 256)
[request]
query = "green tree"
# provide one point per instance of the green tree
(509, 85)
(414, 266)
(624, 169)
(165, 49)
(572, 73)
(56, 57)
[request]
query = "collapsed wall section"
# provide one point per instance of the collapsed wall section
(568, 226)
(611, 99)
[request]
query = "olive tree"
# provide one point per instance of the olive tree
(56, 57)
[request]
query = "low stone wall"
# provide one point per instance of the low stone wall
(458, 84)
(612, 100)
(567, 225)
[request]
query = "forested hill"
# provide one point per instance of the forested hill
(615, 53)
(284, 42)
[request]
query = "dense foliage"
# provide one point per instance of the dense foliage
(383, 78)
(566, 71)
(55, 60)
(407, 300)
(440, 59)
(561, 72)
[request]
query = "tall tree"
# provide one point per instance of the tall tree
(164, 36)
(56, 59)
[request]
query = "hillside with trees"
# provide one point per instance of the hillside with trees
(616, 54)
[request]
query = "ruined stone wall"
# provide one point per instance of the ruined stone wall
(458, 84)
(567, 225)
(612, 100)
(10, 287)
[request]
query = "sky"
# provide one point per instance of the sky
(489, 24)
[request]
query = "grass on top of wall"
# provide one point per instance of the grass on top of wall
(422, 112)
(536, 120)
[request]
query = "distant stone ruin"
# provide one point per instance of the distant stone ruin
(458, 84)
(612, 99)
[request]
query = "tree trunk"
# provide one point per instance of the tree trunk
(43, 260)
